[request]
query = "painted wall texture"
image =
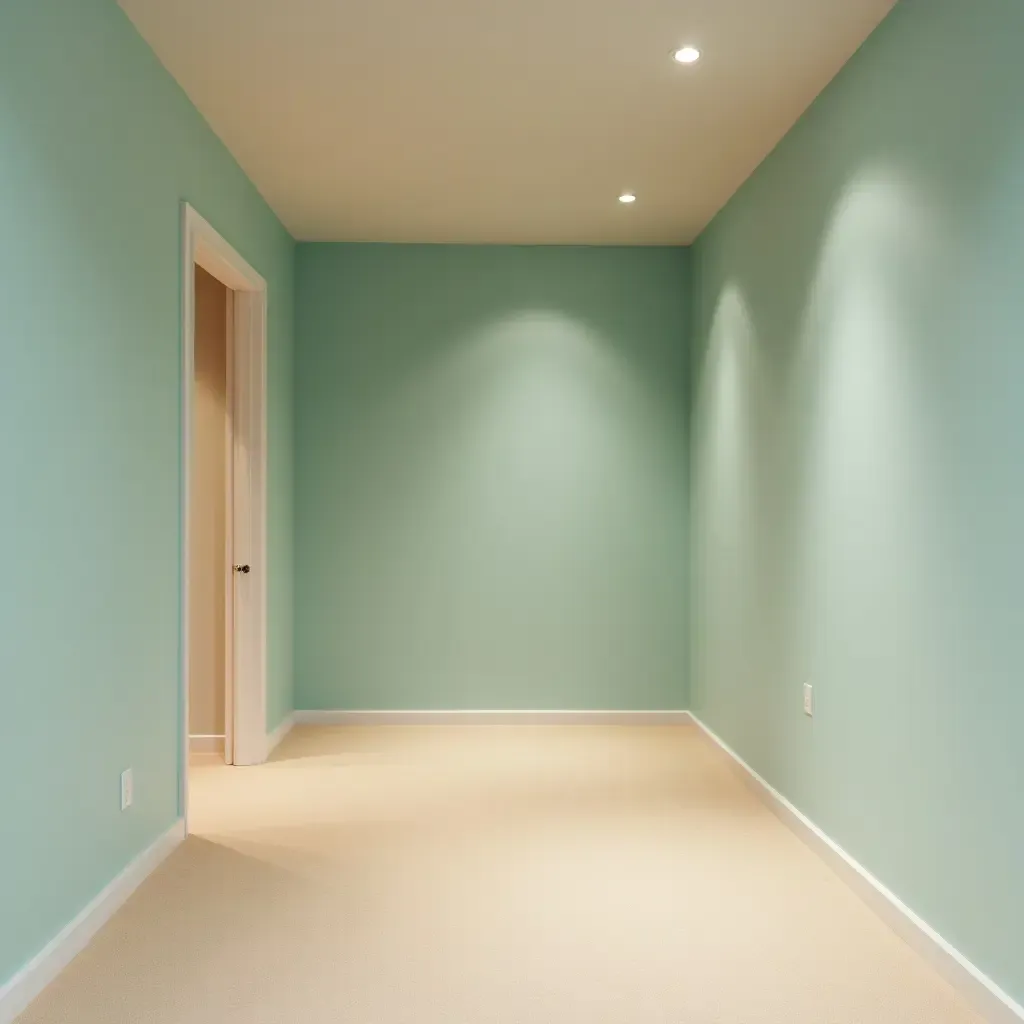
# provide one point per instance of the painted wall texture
(858, 480)
(98, 147)
(491, 477)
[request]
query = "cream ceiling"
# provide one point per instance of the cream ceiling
(512, 121)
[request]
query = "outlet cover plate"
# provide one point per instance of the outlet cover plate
(127, 789)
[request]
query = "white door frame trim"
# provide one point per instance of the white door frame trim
(202, 245)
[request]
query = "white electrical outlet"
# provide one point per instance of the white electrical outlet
(127, 789)
(808, 699)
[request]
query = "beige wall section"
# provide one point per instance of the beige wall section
(208, 577)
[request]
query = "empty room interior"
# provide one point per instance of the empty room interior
(512, 512)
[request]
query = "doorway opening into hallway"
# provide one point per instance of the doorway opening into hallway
(210, 568)
(224, 504)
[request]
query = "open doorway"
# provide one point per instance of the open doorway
(210, 566)
(224, 510)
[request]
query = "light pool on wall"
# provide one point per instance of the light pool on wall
(494, 469)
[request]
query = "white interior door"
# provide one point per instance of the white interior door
(248, 534)
(228, 566)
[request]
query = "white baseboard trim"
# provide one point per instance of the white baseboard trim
(995, 1005)
(206, 744)
(491, 717)
(274, 738)
(18, 993)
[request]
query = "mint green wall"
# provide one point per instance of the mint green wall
(491, 477)
(98, 147)
(858, 477)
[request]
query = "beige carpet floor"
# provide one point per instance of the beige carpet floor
(493, 875)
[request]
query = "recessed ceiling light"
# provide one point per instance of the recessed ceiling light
(627, 197)
(687, 55)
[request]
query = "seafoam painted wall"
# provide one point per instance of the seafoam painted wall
(858, 479)
(491, 477)
(98, 147)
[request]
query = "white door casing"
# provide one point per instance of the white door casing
(246, 704)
